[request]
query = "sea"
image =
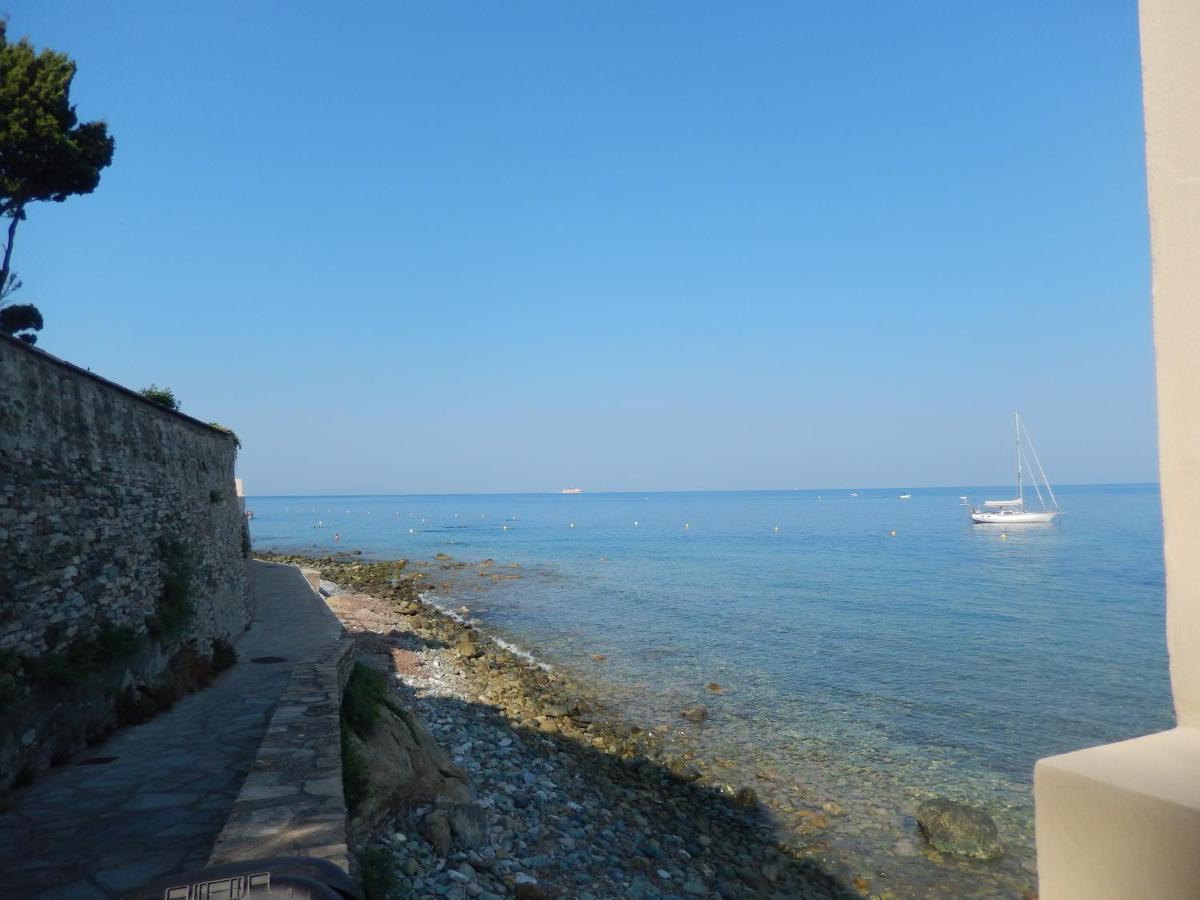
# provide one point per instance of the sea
(864, 652)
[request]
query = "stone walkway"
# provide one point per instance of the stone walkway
(92, 830)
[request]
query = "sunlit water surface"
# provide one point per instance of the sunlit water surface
(857, 667)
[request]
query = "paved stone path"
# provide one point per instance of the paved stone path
(98, 830)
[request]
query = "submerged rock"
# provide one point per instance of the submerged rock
(696, 714)
(745, 797)
(959, 829)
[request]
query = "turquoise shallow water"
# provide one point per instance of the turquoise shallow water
(858, 667)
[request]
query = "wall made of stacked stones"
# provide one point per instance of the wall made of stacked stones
(96, 483)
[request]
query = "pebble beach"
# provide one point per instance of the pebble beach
(578, 803)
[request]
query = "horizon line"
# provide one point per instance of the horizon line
(554, 493)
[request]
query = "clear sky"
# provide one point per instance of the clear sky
(442, 246)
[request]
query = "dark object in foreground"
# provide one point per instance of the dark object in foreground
(296, 878)
(960, 829)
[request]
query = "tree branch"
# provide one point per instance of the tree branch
(15, 213)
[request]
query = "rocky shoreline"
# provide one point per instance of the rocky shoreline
(545, 792)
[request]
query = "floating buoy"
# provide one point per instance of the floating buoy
(572, 524)
(892, 533)
(635, 523)
(687, 525)
(1003, 536)
(412, 531)
(504, 528)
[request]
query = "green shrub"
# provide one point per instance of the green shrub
(134, 707)
(378, 873)
(10, 690)
(175, 606)
(223, 654)
(355, 781)
(163, 396)
(365, 691)
(116, 642)
(84, 655)
(246, 548)
(229, 431)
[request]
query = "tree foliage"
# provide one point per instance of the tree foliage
(45, 152)
(20, 320)
(163, 396)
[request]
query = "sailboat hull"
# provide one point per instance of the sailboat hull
(1012, 518)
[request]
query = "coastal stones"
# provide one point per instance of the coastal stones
(683, 772)
(436, 829)
(714, 687)
(745, 798)
(694, 714)
(959, 829)
(468, 649)
(601, 809)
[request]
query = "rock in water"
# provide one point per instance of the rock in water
(695, 714)
(959, 829)
(683, 773)
(745, 797)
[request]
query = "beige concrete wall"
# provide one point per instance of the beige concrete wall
(1123, 820)
(1170, 32)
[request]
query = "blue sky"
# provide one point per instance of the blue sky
(490, 247)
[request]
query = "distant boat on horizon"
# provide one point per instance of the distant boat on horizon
(906, 496)
(1013, 512)
(571, 491)
(854, 493)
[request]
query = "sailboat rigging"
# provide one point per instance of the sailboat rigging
(1013, 512)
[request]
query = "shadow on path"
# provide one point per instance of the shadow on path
(97, 828)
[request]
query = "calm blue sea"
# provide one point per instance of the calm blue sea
(858, 667)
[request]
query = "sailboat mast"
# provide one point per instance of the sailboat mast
(1017, 425)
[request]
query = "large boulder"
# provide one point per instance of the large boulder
(959, 829)
(406, 767)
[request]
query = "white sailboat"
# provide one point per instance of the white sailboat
(1013, 512)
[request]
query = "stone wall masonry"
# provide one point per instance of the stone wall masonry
(94, 481)
(292, 803)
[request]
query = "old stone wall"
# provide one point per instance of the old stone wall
(108, 503)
